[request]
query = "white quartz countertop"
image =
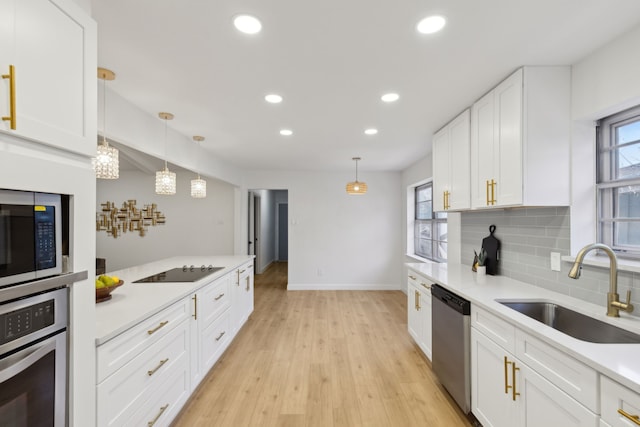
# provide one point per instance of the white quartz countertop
(133, 302)
(620, 362)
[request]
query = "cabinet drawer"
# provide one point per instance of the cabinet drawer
(614, 397)
(569, 375)
(164, 402)
(214, 299)
(120, 395)
(214, 340)
(419, 281)
(500, 331)
(116, 352)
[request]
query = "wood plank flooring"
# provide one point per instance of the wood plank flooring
(321, 358)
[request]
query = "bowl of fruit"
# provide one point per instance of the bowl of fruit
(105, 285)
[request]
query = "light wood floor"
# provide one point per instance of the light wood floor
(329, 358)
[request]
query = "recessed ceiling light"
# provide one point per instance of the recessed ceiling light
(273, 98)
(286, 132)
(371, 131)
(247, 24)
(431, 24)
(390, 97)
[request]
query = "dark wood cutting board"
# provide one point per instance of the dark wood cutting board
(491, 246)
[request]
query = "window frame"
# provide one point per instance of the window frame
(607, 183)
(436, 218)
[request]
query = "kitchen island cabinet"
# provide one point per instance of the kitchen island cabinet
(48, 54)
(157, 341)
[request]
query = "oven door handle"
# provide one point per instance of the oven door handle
(20, 361)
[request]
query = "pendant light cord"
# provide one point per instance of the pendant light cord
(104, 111)
(165, 145)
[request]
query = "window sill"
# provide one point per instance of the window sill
(419, 258)
(603, 261)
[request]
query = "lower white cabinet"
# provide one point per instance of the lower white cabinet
(242, 292)
(620, 406)
(507, 392)
(419, 311)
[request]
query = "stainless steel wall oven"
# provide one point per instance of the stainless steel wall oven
(33, 359)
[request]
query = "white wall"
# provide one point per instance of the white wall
(193, 227)
(605, 82)
(337, 241)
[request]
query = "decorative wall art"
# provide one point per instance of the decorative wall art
(128, 218)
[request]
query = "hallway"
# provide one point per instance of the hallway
(321, 358)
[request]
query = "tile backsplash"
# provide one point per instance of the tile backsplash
(527, 237)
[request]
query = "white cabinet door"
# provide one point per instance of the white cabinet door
(620, 405)
(483, 146)
(54, 52)
(451, 160)
(414, 321)
(541, 404)
(425, 308)
(491, 398)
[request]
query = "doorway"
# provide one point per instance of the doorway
(268, 227)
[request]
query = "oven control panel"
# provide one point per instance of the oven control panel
(26, 320)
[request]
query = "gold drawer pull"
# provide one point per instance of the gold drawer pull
(506, 376)
(417, 297)
(162, 409)
(426, 285)
(248, 288)
(242, 271)
(153, 371)
(634, 418)
(220, 336)
(218, 297)
(411, 277)
(513, 377)
(11, 118)
(195, 306)
(152, 331)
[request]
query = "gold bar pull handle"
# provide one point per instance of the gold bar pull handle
(220, 336)
(248, 288)
(162, 324)
(195, 306)
(514, 393)
(11, 118)
(162, 362)
(417, 299)
(487, 190)
(506, 375)
(218, 297)
(412, 277)
(493, 192)
(153, 421)
(633, 418)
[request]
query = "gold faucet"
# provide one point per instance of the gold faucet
(614, 305)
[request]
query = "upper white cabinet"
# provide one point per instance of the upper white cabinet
(49, 47)
(520, 141)
(451, 157)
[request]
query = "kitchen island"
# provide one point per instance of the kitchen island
(157, 340)
(527, 373)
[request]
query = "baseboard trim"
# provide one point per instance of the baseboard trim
(342, 287)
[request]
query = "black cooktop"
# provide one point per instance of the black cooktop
(181, 274)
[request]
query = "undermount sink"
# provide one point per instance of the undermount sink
(572, 323)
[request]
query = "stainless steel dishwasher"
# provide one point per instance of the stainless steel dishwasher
(451, 348)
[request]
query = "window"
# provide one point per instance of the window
(619, 182)
(429, 228)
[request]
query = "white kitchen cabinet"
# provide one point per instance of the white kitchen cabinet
(419, 312)
(451, 163)
(520, 141)
(508, 392)
(242, 293)
(51, 45)
(620, 406)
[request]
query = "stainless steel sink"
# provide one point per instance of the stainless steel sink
(572, 323)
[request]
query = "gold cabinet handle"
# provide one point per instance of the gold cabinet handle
(493, 192)
(411, 277)
(417, 297)
(426, 285)
(514, 393)
(238, 279)
(162, 362)
(242, 271)
(195, 307)
(633, 418)
(162, 324)
(153, 421)
(220, 336)
(11, 118)
(506, 376)
(248, 288)
(218, 297)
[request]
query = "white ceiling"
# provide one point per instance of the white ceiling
(331, 61)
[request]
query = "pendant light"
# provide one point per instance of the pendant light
(199, 185)
(356, 187)
(106, 163)
(165, 180)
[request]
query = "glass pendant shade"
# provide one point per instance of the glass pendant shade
(106, 164)
(198, 188)
(165, 182)
(356, 187)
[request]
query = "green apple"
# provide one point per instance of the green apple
(100, 284)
